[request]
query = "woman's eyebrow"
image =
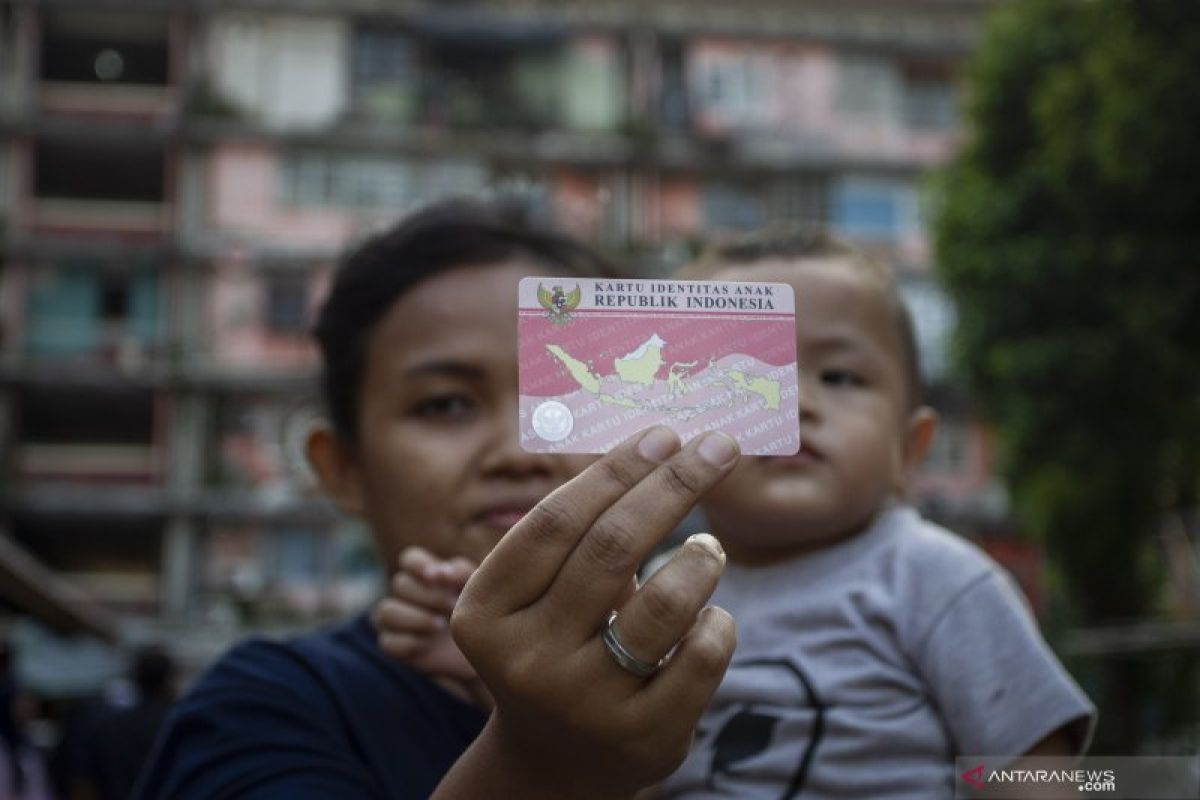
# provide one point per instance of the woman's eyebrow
(445, 368)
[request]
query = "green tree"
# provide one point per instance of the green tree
(1068, 236)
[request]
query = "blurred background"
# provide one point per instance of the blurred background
(178, 177)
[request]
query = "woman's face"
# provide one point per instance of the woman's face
(437, 462)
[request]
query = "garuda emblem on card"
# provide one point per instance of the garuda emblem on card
(559, 304)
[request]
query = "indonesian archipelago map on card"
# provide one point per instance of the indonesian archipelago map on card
(602, 359)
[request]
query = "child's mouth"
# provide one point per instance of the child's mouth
(807, 455)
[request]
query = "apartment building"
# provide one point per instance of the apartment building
(177, 179)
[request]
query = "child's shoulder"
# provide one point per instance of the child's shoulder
(935, 549)
(934, 564)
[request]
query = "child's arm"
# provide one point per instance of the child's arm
(1000, 688)
(1057, 743)
(412, 621)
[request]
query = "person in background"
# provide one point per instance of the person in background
(22, 775)
(120, 739)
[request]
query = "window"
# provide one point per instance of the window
(373, 183)
(298, 556)
(529, 190)
(110, 49)
(369, 183)
(876, 209)
(673, 103)
(119, 414)
(868, 89)
(950, 452)
(114, 299)
(733, 207)
(795, 201)
(78, 310)
(88, 170)
(930, 105)
(383, 73)
(287, 304)
(934, 320)
(735, 89)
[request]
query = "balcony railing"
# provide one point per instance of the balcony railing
(125, 100)
(133, 218)
(124, 463)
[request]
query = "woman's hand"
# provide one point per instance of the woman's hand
(570, 721)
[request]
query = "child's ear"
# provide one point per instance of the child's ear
(336, 468)
(922, 424)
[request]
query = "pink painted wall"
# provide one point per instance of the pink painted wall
(244, 200)
(797, 97)
(580, 203)
(677, 207)
(238, 335)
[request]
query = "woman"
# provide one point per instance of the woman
(418, 343)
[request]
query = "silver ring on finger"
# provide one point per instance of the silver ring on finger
(626, 660)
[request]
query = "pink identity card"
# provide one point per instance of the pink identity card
(602, 359)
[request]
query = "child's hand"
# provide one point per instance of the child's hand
(412, 621)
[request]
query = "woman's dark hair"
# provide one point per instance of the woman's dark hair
(441, 237)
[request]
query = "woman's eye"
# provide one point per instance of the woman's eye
(841, 377)
(449, 405)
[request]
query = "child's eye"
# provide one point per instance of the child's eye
(841, 377)
(446, 406)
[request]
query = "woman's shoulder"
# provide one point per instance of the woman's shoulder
(300, 662)
(312, 705)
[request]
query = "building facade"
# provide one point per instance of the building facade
(177, 179)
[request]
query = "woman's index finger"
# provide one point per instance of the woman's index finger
(525, 562)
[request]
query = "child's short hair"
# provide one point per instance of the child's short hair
(813, 242)
(453, 233)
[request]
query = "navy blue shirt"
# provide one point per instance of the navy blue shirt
(327, 715)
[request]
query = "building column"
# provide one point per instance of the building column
(181, 536)
(180, 541)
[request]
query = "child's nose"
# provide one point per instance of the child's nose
(808, 395)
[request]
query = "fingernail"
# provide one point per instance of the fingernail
(718, 449)
(658, 444)
(709, 543)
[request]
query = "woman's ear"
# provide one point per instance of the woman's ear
(336, 467)
(918, 435)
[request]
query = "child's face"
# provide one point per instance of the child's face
(855, 422)
(437, 463)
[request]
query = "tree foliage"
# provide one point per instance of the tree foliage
(1068, 235)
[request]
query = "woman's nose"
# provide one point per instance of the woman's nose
(505, 454)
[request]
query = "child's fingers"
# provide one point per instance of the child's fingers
(416, 561)
(425, 566)
(414, 591)
(393, 616)
(453, 574)
(402, 646)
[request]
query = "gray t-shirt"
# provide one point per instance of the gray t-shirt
(862, 670)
